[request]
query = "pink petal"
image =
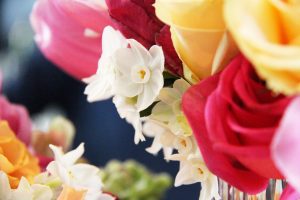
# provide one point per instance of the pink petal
(44, 161)
(17, 118)
(286, 144)
(289, 193)
(60, 26)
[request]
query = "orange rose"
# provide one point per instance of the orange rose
(15, 160)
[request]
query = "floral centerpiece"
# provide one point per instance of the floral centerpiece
(215, 83)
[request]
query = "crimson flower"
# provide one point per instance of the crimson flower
(234, 118)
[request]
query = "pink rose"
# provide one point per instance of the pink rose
(289, 193)
(286, 144)
(17, 118)
(68, 32)
(234, 118)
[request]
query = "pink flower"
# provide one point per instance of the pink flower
(286, 144)
(289, 193)
(17, 118)
(234, 117)
(68, 33)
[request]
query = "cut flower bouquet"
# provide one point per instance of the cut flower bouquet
(215, 83)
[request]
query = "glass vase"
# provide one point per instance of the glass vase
(272, 192)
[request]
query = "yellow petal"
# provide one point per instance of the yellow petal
(289, 15)
(262, 31)
(199, 35)
(5, 165)
(200, 14)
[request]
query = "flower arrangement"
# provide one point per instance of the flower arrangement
(215, 83)
(30, 170)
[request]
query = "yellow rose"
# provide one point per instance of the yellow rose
(199, 34)
(15, 159)
(268, 33)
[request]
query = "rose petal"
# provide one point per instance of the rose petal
(217, 162)
(60, 27)
(286, 144)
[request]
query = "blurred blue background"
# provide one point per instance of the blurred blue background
(31, 80)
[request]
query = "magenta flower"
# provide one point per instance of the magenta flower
(68, 33)
(289, 193)
(286, 145)
(17, 118)
(234, 119)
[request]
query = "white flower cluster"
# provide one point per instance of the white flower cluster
(133, 76)
(172, 134)
(130, 74)
(61, 173)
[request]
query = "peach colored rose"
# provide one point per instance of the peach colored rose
(15, 159)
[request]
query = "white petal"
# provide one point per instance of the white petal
(57, 151)
(169, 95)
(181, 85)
(98, 89)
(106, 197)
(5, 190)
(86, 176)
(161, 112)
(140, 51)
(125, 87)
(184, 176)
(167, 152)
(71, 157)
(98, 196)
(146, 98)
(23, 191)
(41, 192)
(112, 40)
(138, 135)
(156, 81)
(210, 189)
(155, 147)
(151, 91)
(124, 59)
(158, 59)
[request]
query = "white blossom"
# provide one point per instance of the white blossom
(25, 191)
(101, 85)
(78, 176)
(130, 74)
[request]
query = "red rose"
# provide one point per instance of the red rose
(234, 118)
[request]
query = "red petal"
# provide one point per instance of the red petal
(134, 21)
(217, 162)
